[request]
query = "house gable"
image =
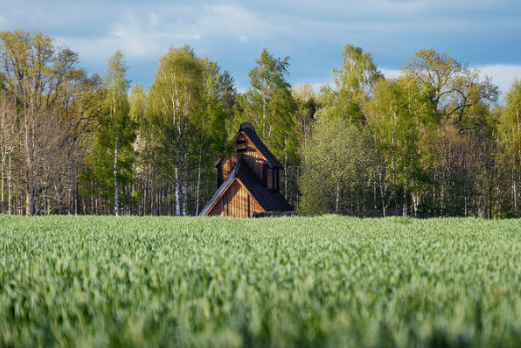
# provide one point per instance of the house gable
(248, 182)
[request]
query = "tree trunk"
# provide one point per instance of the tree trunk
(394, 181)
(404, 203)
(382, 191)
(9, 188)
(286, 167)
(415, 204)
(69, 183)
(116, 189)
(198, 189)
(29, 174)
(76, 194)
(177, 189)
(2, 192)
(152, 191)
(337, 200)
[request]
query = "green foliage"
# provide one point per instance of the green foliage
(76, 142)
(450, 85)
(339, 168)
(307, 106)
(509, 129)
(188, 107)
(55, 104)
(354, 81)
(113, 155)
(329, 281)
(401, 122)
(510, 118)
(269, 105)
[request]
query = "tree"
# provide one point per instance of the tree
(38, 76)
(268, 104)
(459, 98)
(143, 164)
(175, 105)
(187, 111)
(450, 85)
(510, 138)
(220, 101)
(354, 80)
(338, 168)
(113, 153)
(305, 98)
(398, 118)
(268, 101)
(7, 148)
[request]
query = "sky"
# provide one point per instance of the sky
(485, 34)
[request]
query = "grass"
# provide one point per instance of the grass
(327, 281)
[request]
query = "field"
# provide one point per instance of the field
(276, 282)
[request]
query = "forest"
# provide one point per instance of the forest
(433, 142)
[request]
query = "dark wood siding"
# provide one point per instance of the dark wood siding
(252, 157)
(227, 167)
(270, 179)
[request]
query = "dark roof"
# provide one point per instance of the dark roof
(249, 131)
(269, 200)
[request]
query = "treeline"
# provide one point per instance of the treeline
(431, 142)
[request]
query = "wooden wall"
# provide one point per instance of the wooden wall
(227, 167)
(236, 201)
(253, 158)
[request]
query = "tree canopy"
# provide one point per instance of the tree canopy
(433, 141)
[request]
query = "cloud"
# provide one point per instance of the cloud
(482, 33)
(391, 73)
(502, 75)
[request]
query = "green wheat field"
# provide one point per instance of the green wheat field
(326, 281)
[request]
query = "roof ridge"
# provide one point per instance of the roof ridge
(261, 147)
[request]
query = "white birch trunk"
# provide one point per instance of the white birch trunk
(116, 189)
(115, 127)
(199, 179)
(394, 181)
(337, 200)
(285, 168)
(177, 187)
(184, 191)
(29, 174)
(404, 204)
(9, 188)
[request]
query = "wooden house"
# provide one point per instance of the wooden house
(248, 182)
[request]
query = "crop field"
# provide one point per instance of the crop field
(327, 281)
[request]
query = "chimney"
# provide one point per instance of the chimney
(245, 125)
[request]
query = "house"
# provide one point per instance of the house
(248, 182)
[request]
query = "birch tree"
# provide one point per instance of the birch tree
(269, 105)
(175, 103)
(35, 73)
(510, 135)
(113, 154)
(338, 162)
(7, 147)
(219, 101)
(354, 80)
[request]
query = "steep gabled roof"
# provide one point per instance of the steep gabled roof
(249, 131)
(269, 200)
(224, 186)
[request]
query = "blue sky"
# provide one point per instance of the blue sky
(486, 34)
